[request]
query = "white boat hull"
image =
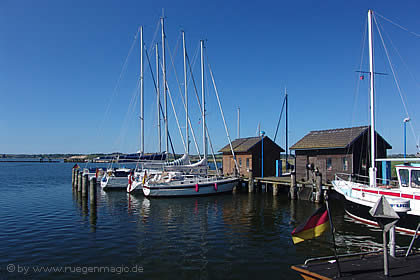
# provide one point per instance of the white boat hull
(110, 182)
(205, 187)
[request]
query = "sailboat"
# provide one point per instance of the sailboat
(404, 196)
(187, 184)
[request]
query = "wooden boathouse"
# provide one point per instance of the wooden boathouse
(344, 150)
(248, 153)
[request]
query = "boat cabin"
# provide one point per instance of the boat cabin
(409, 175)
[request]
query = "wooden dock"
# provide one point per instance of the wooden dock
(367, 267)
(303, 190)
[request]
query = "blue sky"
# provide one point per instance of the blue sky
(61, 60)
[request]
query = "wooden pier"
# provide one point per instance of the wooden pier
(303, 190)
(366, 267)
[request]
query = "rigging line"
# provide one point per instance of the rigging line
(378, 26)
(176, 77)
(152, 43)
(398, 25)
(160, 104)
(278, 123)
(356, 95)
(408, 70)
(184, 105)
(402, 60)
(221, 112)
(176, 46)
(130, 111)
(176, 117)
(114, 92)
(175, 114)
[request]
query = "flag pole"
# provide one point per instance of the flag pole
(333, 238)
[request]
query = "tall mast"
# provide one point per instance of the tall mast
(158, 98)
(372, 169)
(165, 95)
(141, 92)
(287, 129)
(187, 142)
(203, 113)
(239, 117)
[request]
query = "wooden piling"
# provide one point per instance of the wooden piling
(92, 191)
(85, 182)
(79, 181)
(251, 185)
(275, 189)
(318, 193)
(293, 186)
(73, 171)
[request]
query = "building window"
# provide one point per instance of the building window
(240, 162)
(329, 164)
(345, 164)
(247, 163)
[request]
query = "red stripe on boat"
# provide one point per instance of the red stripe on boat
(390, 193)
(355, 189)
(370, 191)
(407, 196)
(417, 197)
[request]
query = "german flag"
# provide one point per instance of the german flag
(313, 227)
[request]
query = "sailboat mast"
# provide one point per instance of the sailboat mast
(141, 92)
(165, 97)
(203, 113)
(239, 122)
(372, 169)
(187, 142)
(158, 98)
(287, 129)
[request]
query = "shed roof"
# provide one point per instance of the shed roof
(242, 145)
(332, 138)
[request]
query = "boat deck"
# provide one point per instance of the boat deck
(366, 268)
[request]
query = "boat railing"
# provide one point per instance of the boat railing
(327, 258)
(362, 179)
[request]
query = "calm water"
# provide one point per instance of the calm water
(44, 225)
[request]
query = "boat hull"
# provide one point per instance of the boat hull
(135, 187)
(114, 183)
(359, 212)
(190, 189)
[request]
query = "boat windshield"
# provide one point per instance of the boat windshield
(403, 174)
(415, 178)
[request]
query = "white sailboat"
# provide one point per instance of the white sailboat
(191, 185)
(359, 197)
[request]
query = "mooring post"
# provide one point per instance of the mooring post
(251, 185)
(73, 171)
(318, 194)
(79, 181)
(85, 182)
(293, 186)
(392, 242)
(92, 191)
(275, 189)
(76, 173)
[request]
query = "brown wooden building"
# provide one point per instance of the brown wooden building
(248, 154)
(345, 150)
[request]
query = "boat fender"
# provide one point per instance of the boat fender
(215, 187)
(196, 187)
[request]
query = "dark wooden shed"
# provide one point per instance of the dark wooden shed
(344, 150)
(248, 154)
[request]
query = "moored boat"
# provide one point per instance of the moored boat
(404, 195)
